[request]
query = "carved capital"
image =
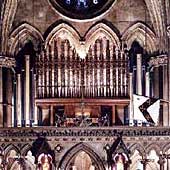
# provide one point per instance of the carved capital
(158, 61)
(7, 61)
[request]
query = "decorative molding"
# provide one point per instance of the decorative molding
(7, 62)
(83, 132)
(158, 61)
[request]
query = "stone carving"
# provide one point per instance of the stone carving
(83, 132)
(7, 61)
(158, 60)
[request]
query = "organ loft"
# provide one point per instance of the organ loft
(84, 85)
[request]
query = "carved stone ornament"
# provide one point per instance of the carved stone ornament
(158, 61)
(7, 61)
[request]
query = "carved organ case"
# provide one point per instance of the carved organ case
(66, 79)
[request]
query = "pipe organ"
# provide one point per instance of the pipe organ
(62, 73)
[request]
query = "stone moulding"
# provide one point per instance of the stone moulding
(85, 132)
(7, 62)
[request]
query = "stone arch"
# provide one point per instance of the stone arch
(21, 35)
(9, 148)
(76, 149)
(142, 34)
(8, 14)
(66, 31)
(135, 160)
(154, 147)
(137, 147)
(166, 147)
(155, 9)
(25, 149)
(101, 30)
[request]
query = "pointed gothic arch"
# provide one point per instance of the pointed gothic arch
(142, 34)
(77, 149)
(137, 147)
(166, 147)
(25, 149)
(65, 31)
(9, 148)
(99, 31)
(21, 35)
(154, 147)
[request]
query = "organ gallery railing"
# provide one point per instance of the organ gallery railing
(62, 73)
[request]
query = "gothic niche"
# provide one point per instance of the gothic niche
(81, 161)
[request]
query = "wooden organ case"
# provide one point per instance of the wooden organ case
(94, 88)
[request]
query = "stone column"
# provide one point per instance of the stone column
(27, 90)
(8, 98)
(131, 97)
(51, 116)
(35, 106)
(156, 82)
(19, 96)
(1, 98)
(139, 74)
(147, 84)
(166, 116)
(161, 162)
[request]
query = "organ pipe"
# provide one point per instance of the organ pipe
(61, 73)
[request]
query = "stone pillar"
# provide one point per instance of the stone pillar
(166, 116)
(19, 96)
(147, 84)
(35, 106)
(8, 98)
(156, 82)
(1, 98)
(51, 116)
(131, 97)
(139, 74)
(161, 162)
(27, 90)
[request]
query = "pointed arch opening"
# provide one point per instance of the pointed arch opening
(81, 153)
(142, 34)
(22, 35)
